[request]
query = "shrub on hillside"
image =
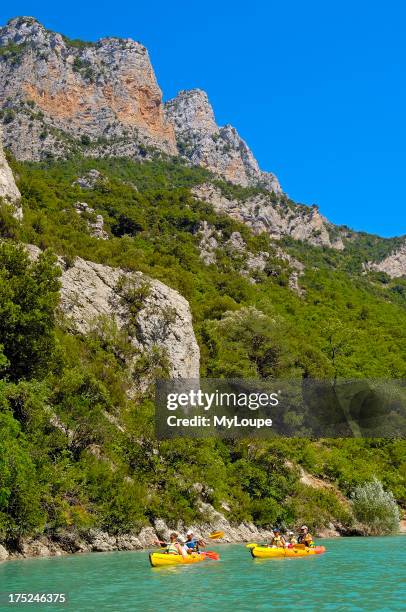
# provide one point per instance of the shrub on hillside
(375, 509)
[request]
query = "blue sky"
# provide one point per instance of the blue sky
(316, 88)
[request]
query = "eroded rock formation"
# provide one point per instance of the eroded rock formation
(263, 214)
(219, 149)
(394, 264)
(54, 91)
(90, 291)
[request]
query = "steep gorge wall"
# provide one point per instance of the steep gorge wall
(58, 95)
(51, 87)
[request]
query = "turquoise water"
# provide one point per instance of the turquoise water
(355, 574)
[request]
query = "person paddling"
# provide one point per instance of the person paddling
(305, 537)
(192, 544)
(278, 539)
(174, 548)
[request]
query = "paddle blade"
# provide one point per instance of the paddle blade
(251, 545)
(216, 535)
(212, 555)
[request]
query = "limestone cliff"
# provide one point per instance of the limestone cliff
(263, 214)
(54, 91)
(90, 290)
(9, 192)
(219, 149)
(58, 96)
(394, 264)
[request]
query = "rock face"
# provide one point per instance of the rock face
(212, 239)
(394, 265)
(95, 222)
(90, 179)
(3, 553)
(262, 214)
(163, 320)
(219, 149)
(8, 189)
(90, 290)
(54, 92)
(58, 96)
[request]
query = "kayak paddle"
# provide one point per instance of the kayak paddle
(211, 555)
(216, 535)
(251, 545)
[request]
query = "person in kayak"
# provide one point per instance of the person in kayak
(174, 548)
(192, 544)
(291, 539)
(278, 540)
(305, 537)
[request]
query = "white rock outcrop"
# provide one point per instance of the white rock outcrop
(8, 189)
(90, 290)
(95, 223)
(262, 214)
(3, 553)
(394, 265)
(90, 179)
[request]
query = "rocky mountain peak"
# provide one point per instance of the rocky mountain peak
(22, 29)
(191, 110)
(57, 94)
(219, 149)
(29, 33)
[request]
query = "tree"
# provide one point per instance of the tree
(375, 508)
(20, 492)
(247, 343)
(29, 295)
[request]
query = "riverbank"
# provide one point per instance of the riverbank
(67, 542)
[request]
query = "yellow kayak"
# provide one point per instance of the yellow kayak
(264, 552)
(162, 559)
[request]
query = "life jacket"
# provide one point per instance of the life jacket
(172, 549)
(192, 545)
(277, 541)
(307, 539)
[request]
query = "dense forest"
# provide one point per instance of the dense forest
(345, 323)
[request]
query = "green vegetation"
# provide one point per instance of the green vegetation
(77, 43)
(375, 508)
(12, 50)
(77, 447)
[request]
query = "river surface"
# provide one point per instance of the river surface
(354, 574)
